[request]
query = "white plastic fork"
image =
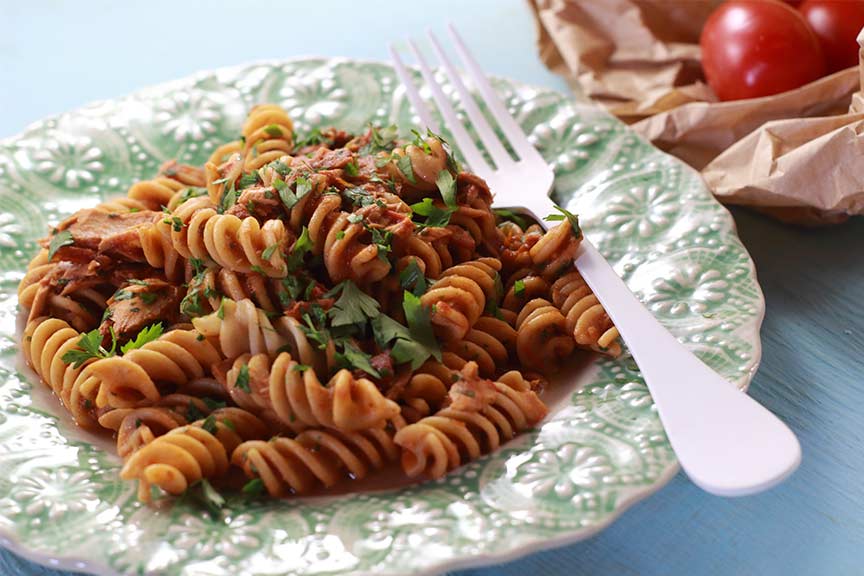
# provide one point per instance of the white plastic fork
(726, 442)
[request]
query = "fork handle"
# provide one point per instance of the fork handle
(726, 442)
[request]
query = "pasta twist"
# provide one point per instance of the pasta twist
(459, 297)
(235, 243)
(490, 343)
(37, 269)
(132, 380)
(530, 286)
(587, 320)
(155, 193)
(268, 134)
(340, 241)
(137, 427)
(542, 339)
(45, 342)
(266, 293)
(159, 250)
(241, 328)
(316, 458)
(426, 389)
(188, 454)
(483, 416)
(300, 400)
(555, 249)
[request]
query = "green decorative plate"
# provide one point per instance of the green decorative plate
(601, 449)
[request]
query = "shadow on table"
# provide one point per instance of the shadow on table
(811, 376)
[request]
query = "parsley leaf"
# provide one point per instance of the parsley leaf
(301, 247)
(58, 241)
(269, 250)
(280, 167)
(300, 368)
(353, 306)
(404, 164)
(242, 381)
(435, 216)
(229, 198)
(249, 179)
(519, 288)
(253, 487)
(273, 130)
(412, 278)
(413, 344)
(356, 358)
(572, 218)
(447, 186)
(146, 335)
(90, 345)
(520, 221)
(351, 169)
(381, 139)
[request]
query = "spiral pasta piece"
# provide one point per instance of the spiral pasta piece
(268, 134)
(235, 243)
(37, 269)
(137, 427)
(483, 416)
(155, 193)
(317, 458)
(587, 320)
(190, 453)
(159, 250)
(133, 380)
(426, 389)
(300, 400)
(45, 342)
(458, 298)
(542, 339)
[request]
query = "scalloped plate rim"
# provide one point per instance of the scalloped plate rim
(569, 535)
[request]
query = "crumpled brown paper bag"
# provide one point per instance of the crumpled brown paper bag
(793, 154)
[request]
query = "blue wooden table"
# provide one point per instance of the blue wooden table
(57, 55)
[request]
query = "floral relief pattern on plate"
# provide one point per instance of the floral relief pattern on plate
(601, 449)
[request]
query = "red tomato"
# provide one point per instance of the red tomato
(837, 24)
(753, 48)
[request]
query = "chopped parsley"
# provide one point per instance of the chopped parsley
(411, 278)
(280, 168)
(301, 247)
(242, 381)
(90, 346)
(447, 186)
(253, 487)
(353, 305)
(403, 163)
(249, 179)
(381, 140)
(519, 288)
(435, 215)
(413, 344)
(289, 197)
(572, 218)
(209, 424)
(59, 240)
(229, 198)
(147, 334)
(506, 215)
(273, 130)
(351, 169)
(269, 250)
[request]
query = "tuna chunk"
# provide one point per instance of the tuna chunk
(141, 304)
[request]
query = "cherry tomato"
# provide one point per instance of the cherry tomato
(753, 48)
(836, 24)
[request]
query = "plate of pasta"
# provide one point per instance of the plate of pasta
(257, 321)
